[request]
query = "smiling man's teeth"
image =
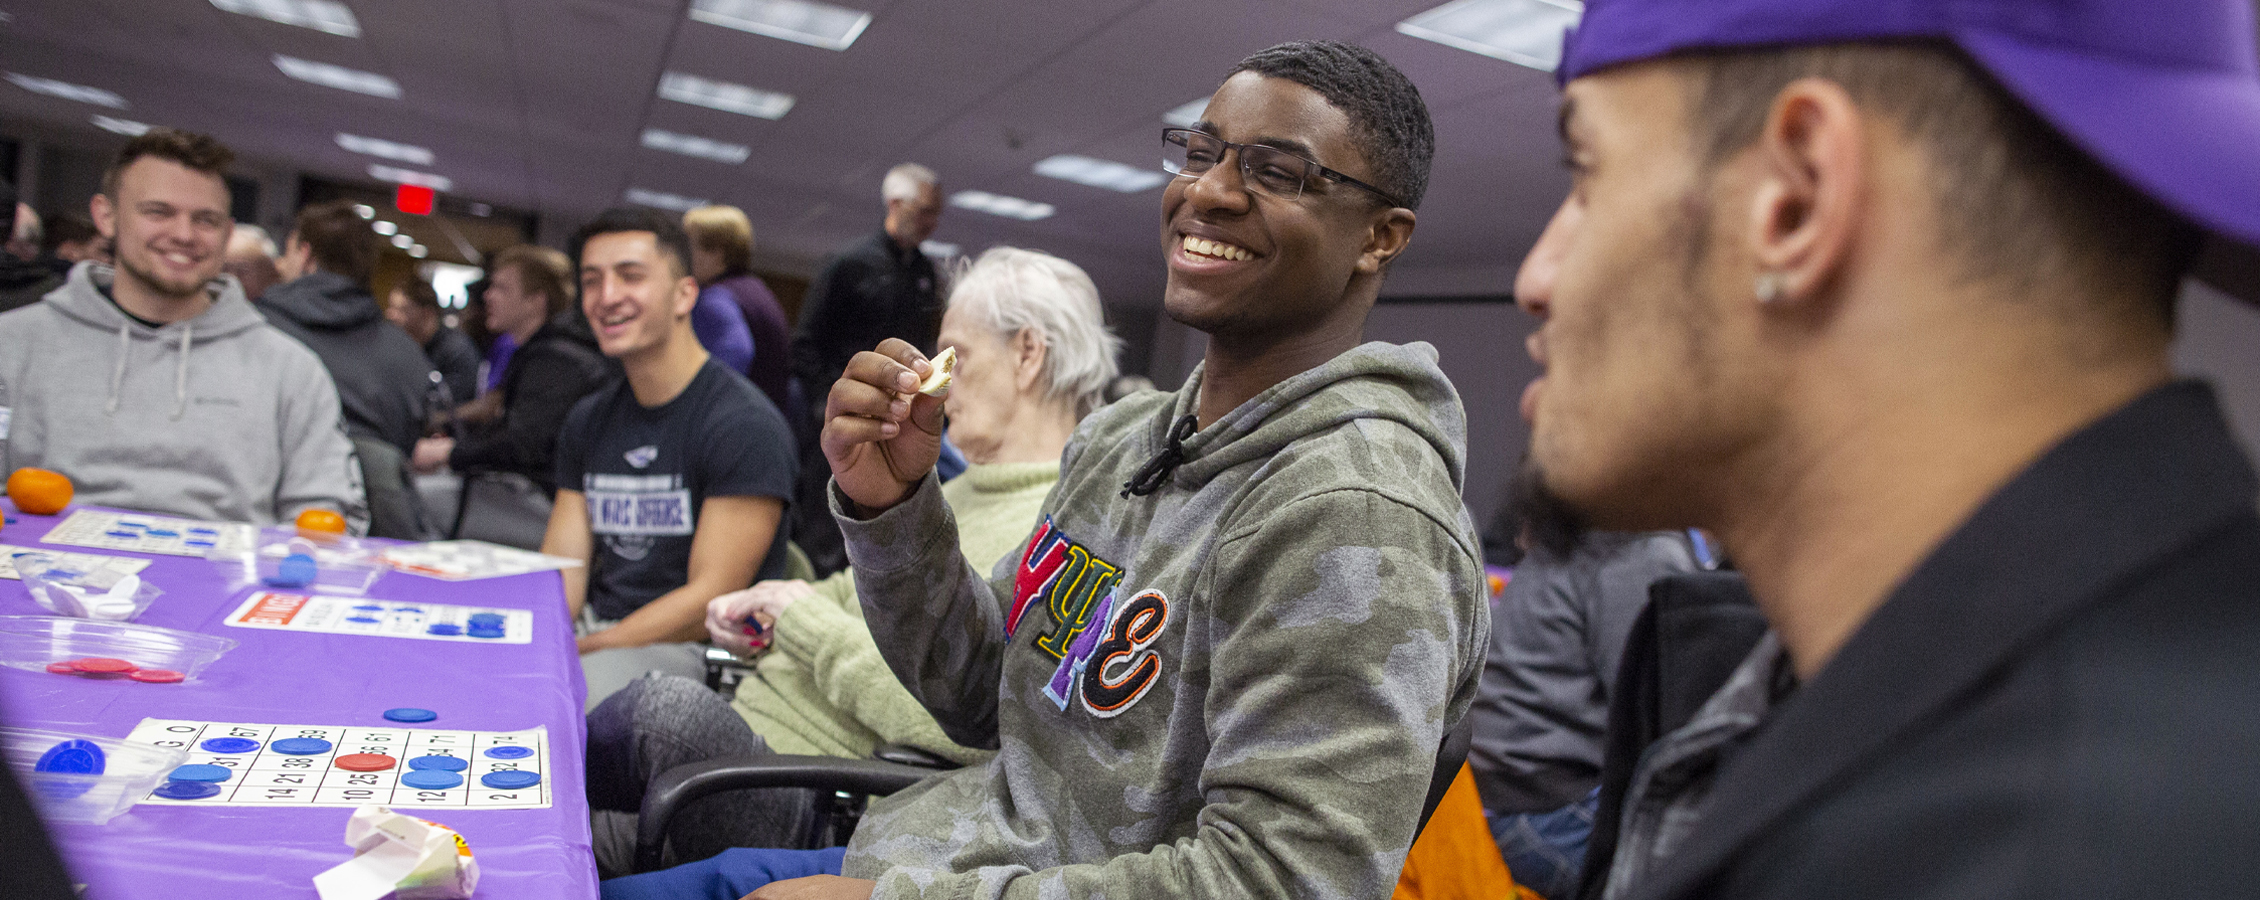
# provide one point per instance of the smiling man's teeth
(1216, 249)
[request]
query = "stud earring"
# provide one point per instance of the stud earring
(1769, 287)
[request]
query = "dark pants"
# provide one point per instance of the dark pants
(655, 724)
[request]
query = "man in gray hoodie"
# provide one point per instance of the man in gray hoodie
(1224, 663)
(154, 385)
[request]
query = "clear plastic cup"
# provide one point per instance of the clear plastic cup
(37, 642)
(129, 772)
(283, 560)
(68, 589)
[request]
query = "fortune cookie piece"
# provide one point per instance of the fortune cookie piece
(939, 379)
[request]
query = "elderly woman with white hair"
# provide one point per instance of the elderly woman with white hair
(1034, 357)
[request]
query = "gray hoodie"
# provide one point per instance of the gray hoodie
(1231, 686)
(216, 417)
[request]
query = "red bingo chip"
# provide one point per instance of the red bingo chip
(62, 668)
(102, 665)
(365, 762)
(157, 676)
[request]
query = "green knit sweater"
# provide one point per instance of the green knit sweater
(825, 690)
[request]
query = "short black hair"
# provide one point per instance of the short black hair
(2016, 200)
(1387, 117)
(664, 229)
(342, 241)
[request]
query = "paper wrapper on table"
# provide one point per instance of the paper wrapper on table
(402, 856)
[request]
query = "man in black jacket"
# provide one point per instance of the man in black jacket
(1881, 292)
(324, 302)
(557, 363)
(381, 374)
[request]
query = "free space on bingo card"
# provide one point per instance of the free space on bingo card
(328, 765)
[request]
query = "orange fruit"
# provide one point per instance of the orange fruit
(320, 524)
(38, 491)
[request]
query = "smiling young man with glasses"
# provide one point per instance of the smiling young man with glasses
(1224, 663)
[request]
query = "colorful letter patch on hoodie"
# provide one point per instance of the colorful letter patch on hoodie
(1065, 579)
(1078, 589)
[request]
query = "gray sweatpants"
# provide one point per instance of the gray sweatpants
(607, 671)
(657, 723)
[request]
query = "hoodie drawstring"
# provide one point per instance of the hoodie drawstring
(118, 375)
(180, 379)
(1156, 470)
(180, 375)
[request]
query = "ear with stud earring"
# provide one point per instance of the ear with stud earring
(1770, 286)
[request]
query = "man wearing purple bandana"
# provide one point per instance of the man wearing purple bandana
(1881, 293)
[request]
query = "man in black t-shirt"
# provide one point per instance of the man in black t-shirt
(673, 483)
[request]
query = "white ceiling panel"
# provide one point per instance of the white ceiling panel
(539, 104)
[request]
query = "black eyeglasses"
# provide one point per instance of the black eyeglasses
(1269, 169)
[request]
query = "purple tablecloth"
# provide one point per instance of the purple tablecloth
(286, 677)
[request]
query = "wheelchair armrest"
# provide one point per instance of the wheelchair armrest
(677, 787)
(721, 665)
(912, 756)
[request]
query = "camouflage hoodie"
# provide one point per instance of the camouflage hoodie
(1232, 686)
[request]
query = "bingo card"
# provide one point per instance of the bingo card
(144, 533)
(469, 560)
(383, 618)
(84, 562)
(327, 765)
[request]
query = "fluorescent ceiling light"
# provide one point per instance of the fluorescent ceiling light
(418, 251)
(1187, 115)
(364, 210)
(1101, 173)
(67, 90)
(693, 145)
(403, 241)
(378, 147)
(384, 227)
(800, 21)
(1001, 205)
(723, 95)
(1523, 32)
(127, 127)
(339, 77)
(320, 15)
(663, 200)
(409, 176)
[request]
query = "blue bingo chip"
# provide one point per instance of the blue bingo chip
(370, 607)
(510, 752)
(486, 633)
(410, 714)
(187, 790)
(432, 779)
(300, 746)
(443, 628)
(487, 618)
(72, 757)
(510, 779)
(295, 570)
(199, 772)
(408, 609)
(365, 620)
(122, 533)
(162, 532)
(203, 530)
(229, 745)
(442, 763)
